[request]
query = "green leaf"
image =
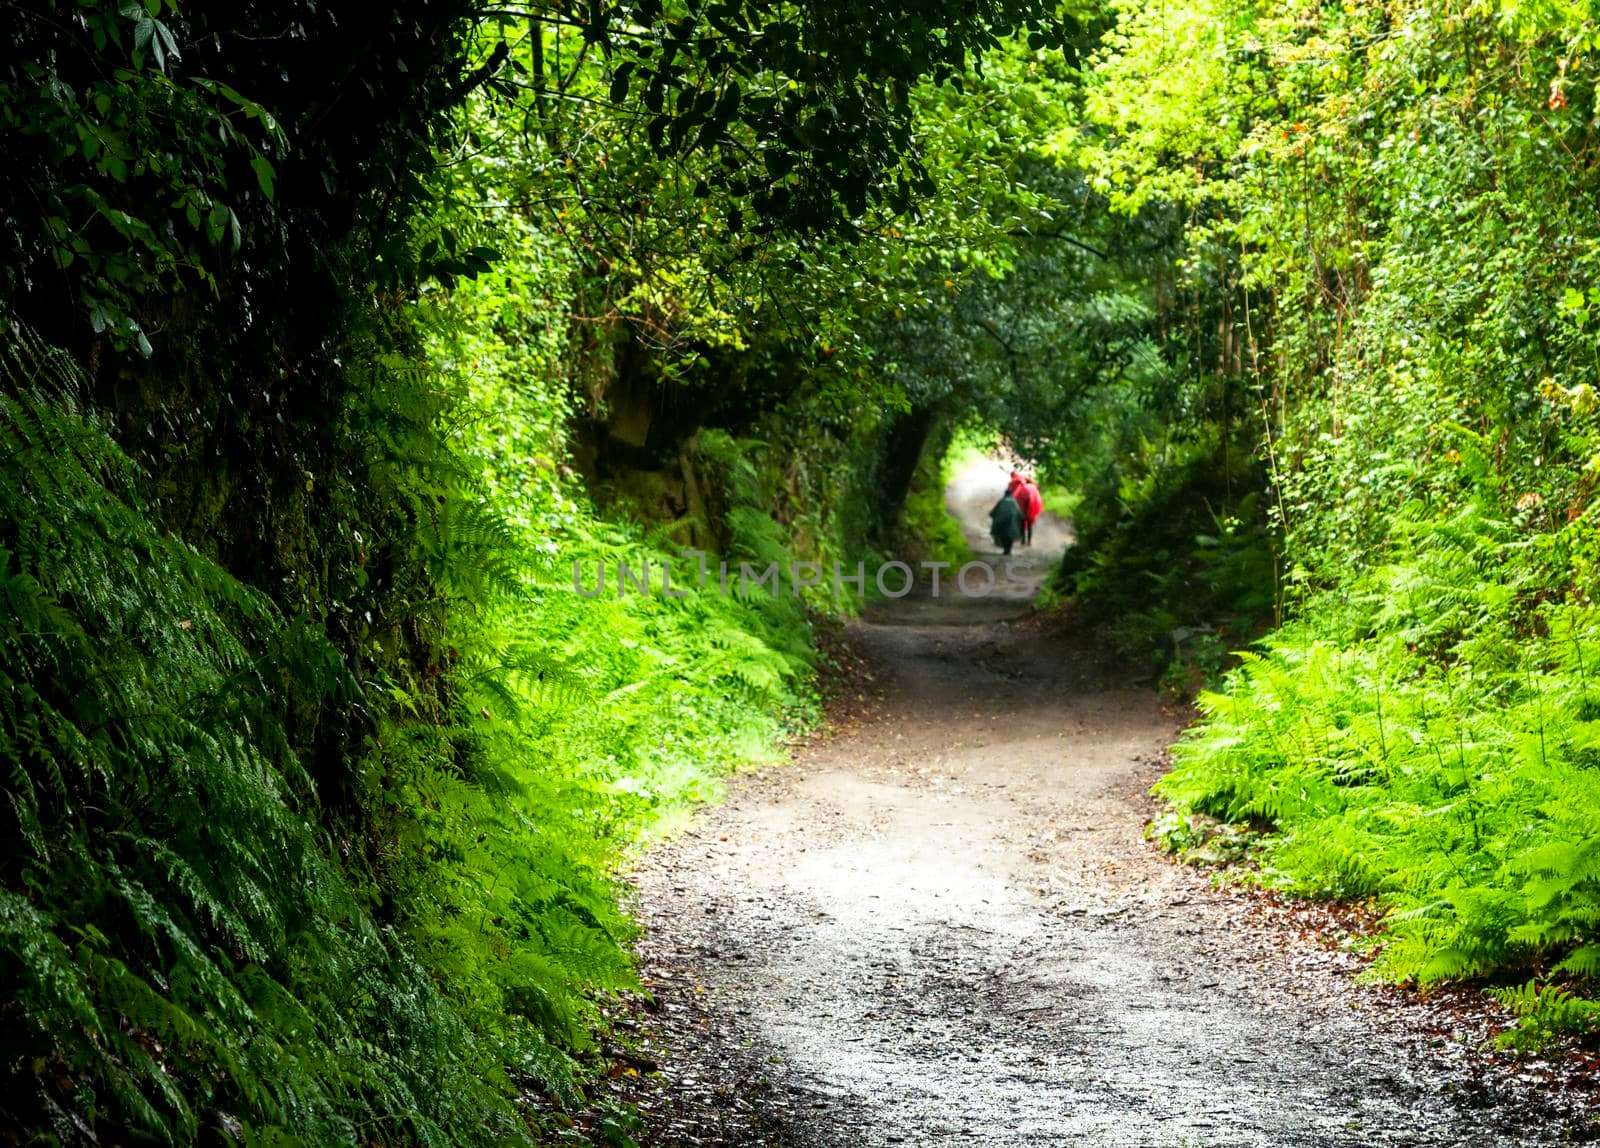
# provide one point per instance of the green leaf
(265, 174)
(619, 82)
(165, 40)
(216, 222)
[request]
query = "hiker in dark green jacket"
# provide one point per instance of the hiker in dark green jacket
(1005, 522)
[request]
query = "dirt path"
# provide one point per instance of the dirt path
(944, 928)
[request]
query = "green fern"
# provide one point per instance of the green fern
(1544, 1013)
(179, 951)
(1425, 735)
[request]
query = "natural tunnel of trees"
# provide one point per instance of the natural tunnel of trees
(334, 335)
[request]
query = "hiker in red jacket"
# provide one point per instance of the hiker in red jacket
(1032, 503)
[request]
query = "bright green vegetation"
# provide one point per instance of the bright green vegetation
(1386, 213)
(926, 529)
(332, 343)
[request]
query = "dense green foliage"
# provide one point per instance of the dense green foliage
(1386, 208)
(182, 951)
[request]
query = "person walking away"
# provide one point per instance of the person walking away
(1031, 503)
(1005, 522)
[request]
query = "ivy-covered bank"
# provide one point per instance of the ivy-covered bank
(1385, 212)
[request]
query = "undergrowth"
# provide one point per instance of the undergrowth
(1427, 734)
(191, 946)
(1364, 291)
(1180, 560)
(184, 957)
(927, 530)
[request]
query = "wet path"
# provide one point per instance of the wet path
(945, 929)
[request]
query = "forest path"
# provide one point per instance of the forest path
(944, 928)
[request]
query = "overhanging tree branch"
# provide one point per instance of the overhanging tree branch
(1024, 233)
